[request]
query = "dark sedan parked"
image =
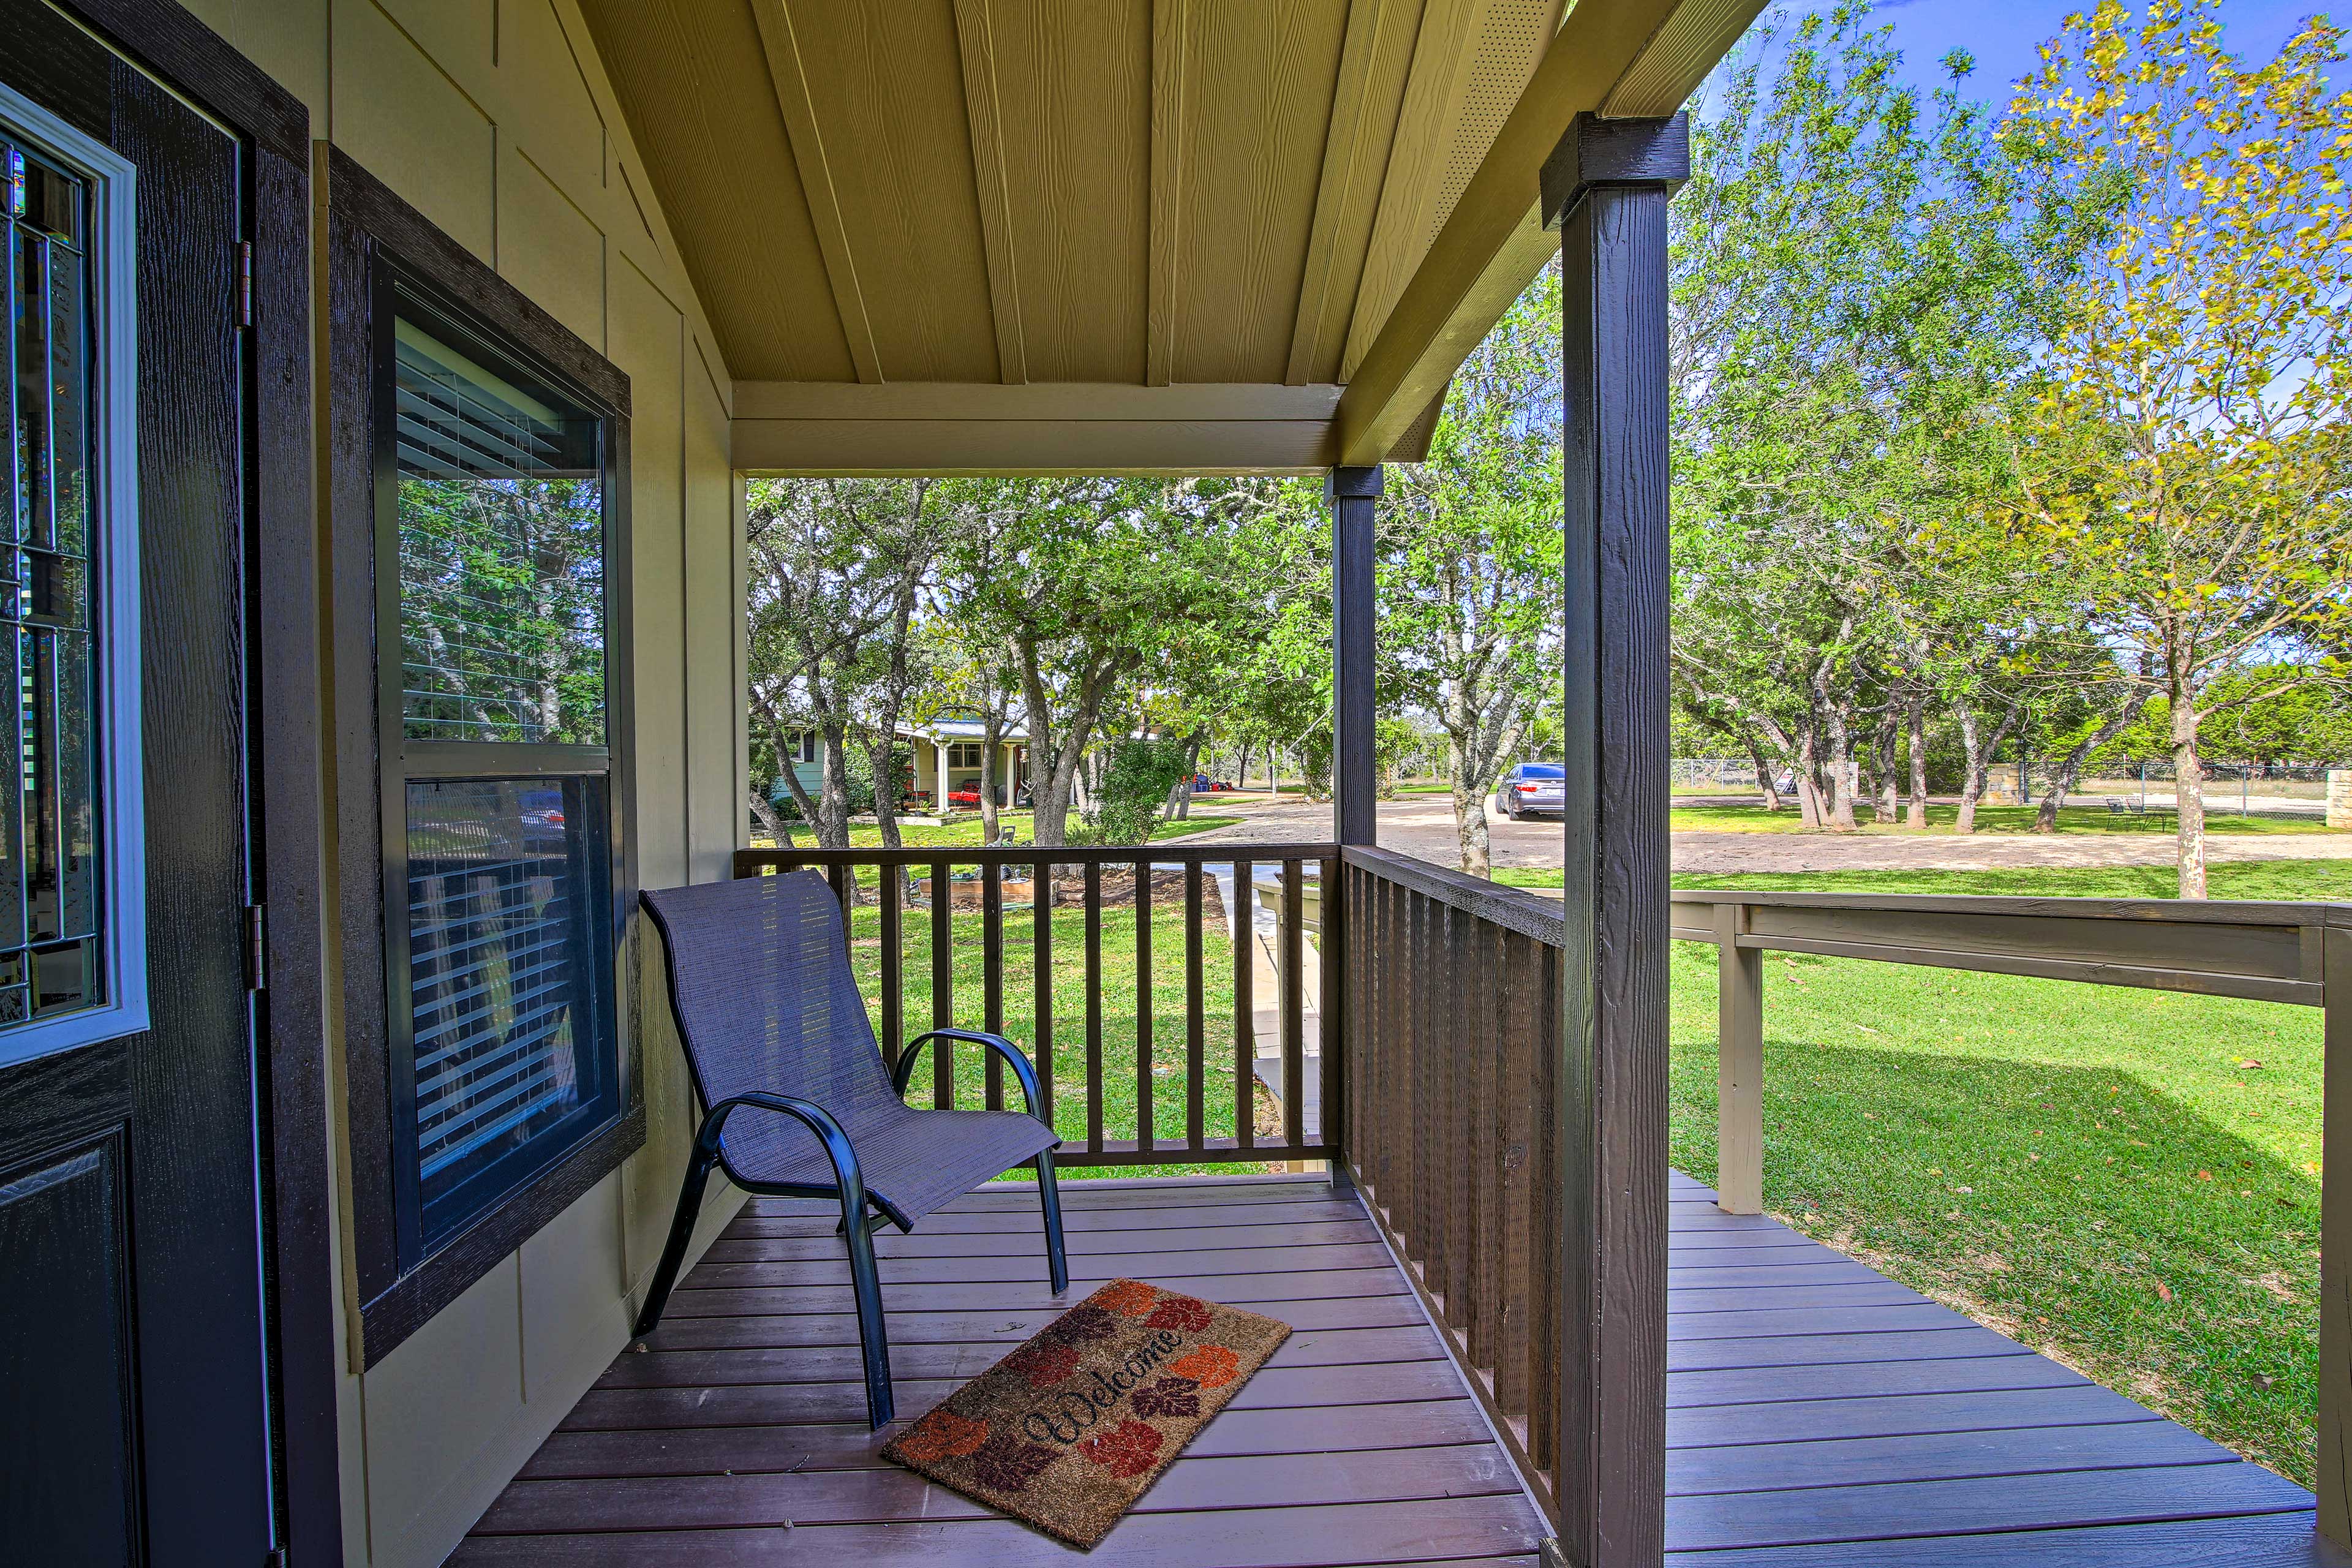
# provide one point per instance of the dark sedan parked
(1534, 786)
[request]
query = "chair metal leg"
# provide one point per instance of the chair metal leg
(681, 1235)
(873, 1339)
(1049, 1196)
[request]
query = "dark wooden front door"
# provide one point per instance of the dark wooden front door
(134, 1410)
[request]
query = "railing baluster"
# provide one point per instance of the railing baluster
(1195, 1012)
(1094, 1008)
(1143, 1140)
(1461, 1064)
(1338, 1014)
(942, 985)
(1293, 1003)
(1040, 958)
(1243, 921)
(894, 976)
(1517, 1000)
(991, 968)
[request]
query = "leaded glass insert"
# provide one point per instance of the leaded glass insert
(501, 518)
(50, 910)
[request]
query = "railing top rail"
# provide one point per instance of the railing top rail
(2172, 911)
(749, 862)
(1513, 909)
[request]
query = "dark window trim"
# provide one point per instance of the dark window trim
(370, 229)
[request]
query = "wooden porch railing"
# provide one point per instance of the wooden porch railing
(1453, 1046)
(2299, 954)
(878, 879)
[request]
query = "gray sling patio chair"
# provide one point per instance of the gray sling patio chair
(798, 1101)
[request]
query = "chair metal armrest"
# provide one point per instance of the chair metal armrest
(810, 1114)
(997, 1043)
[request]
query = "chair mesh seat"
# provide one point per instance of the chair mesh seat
(766, 1004)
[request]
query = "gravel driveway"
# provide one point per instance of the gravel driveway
(1424, 827)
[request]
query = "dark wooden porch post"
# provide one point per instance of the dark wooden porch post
(1355, 787)
(1607, 188)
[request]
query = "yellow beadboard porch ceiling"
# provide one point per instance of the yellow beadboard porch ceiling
(1038, 236)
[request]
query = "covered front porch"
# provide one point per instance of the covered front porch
(707, 241)
(1816, 1412)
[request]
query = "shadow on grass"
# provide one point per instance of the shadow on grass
(2082, 1210)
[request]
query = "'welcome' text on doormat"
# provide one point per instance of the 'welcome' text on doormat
(1067, 1431)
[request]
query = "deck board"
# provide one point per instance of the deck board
(1818, 1412)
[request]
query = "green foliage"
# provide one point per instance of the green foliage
(1142, 772)
(2188, 446)
(1853, 314)
(502, 608)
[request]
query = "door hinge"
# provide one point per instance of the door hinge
(245, 282)
(257, 948)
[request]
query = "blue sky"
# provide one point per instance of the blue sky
(2005, 33)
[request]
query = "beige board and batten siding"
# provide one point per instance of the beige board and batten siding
(496, 119)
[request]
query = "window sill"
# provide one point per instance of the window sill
(411, 1301)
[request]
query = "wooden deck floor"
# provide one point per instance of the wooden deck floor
(1819, 1413)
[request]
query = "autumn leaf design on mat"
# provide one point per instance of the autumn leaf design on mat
(1126, 1450)
(1071, 1427)
(940, 1435)
(1080, 1324)
(1128, 1298)
(1211, 1366)
(1007, 1463)
(1043, 1364)
(1169, 1396)
(1182, 1313)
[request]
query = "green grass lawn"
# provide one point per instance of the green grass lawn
(2094, 818)
(969, 1008)
(2125, 1180)
(963, 832)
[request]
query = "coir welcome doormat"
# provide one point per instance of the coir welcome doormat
(1067, 1431)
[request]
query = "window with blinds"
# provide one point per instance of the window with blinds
(498, 770)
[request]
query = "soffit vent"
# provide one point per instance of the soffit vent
(1511, 42)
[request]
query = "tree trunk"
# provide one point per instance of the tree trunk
(992, 737)
(1885, 798)
(2188, 795)
(2061, 783)
(1765, 787)
(765, 815)
(1972, 784)
(1917, 734)
(1808, 780)
(832, 817)
(1841, 758)
(1470, 827)
(1180, 799)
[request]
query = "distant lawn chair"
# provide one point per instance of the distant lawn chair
(771, 1019)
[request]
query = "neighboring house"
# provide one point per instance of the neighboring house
(805, 749)
(950, 747)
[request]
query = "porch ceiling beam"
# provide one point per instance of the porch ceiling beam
(1046, 427)
(1343, 151)
(1633, 61)
(977, 43)
(1169, 19)
(786, 69)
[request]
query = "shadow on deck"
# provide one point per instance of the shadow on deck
(1818, 1412)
